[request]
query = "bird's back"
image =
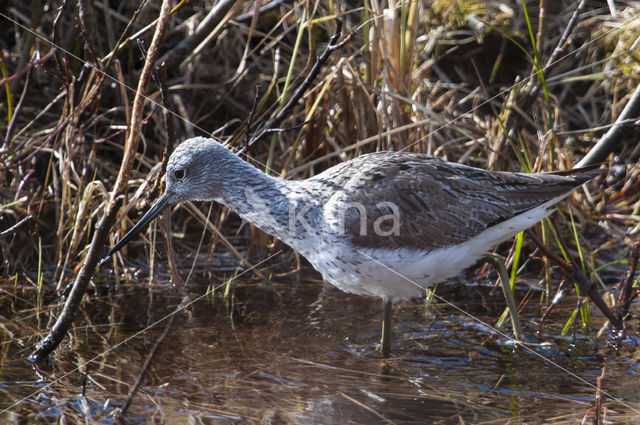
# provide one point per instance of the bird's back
(398, 222)
(438, 203)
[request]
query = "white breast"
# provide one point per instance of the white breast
(405, 273)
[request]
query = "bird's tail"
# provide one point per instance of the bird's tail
(583, 174)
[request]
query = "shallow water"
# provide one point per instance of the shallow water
(299, 351)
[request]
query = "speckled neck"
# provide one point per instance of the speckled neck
(268, 202)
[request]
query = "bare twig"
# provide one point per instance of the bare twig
(598, 405)
(152, 355)
(59, 329)
(562, 43)
(167, 117)
(55, 31)
(189, 44)
(587, 287)
(123, 41)
(54, 133)
(264, 9)
(16, 226)
(20, 73)
(615, 136)
(320, 62)
(16, 113)
(625, 296)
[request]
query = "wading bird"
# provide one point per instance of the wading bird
(386, 224)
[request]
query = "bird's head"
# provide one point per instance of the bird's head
(195, 172)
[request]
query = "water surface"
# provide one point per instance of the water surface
(296, 350)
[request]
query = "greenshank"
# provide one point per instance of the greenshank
(385, 224)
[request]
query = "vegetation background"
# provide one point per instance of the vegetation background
(502, 85)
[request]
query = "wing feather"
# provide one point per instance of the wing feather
(438, 203)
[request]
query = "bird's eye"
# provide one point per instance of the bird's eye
(179, 174)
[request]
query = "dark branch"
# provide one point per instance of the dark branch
(587, 287)
(615, 136)
(152, 354)
(320, 62)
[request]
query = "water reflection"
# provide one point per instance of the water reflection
(297, 351)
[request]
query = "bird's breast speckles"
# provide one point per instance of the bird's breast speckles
(384, 224)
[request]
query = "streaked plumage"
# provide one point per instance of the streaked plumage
(449, 214)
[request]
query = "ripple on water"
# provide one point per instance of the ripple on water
(302, 353)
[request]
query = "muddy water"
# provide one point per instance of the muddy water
(298, 351)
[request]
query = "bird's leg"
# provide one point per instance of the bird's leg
(498, 263)
(386, 328)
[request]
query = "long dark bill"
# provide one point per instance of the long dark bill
(153, 212)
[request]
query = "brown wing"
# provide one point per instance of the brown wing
(421, 202)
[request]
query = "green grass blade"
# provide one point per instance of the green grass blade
(516, 260)
(567, 325)
(7, 88)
